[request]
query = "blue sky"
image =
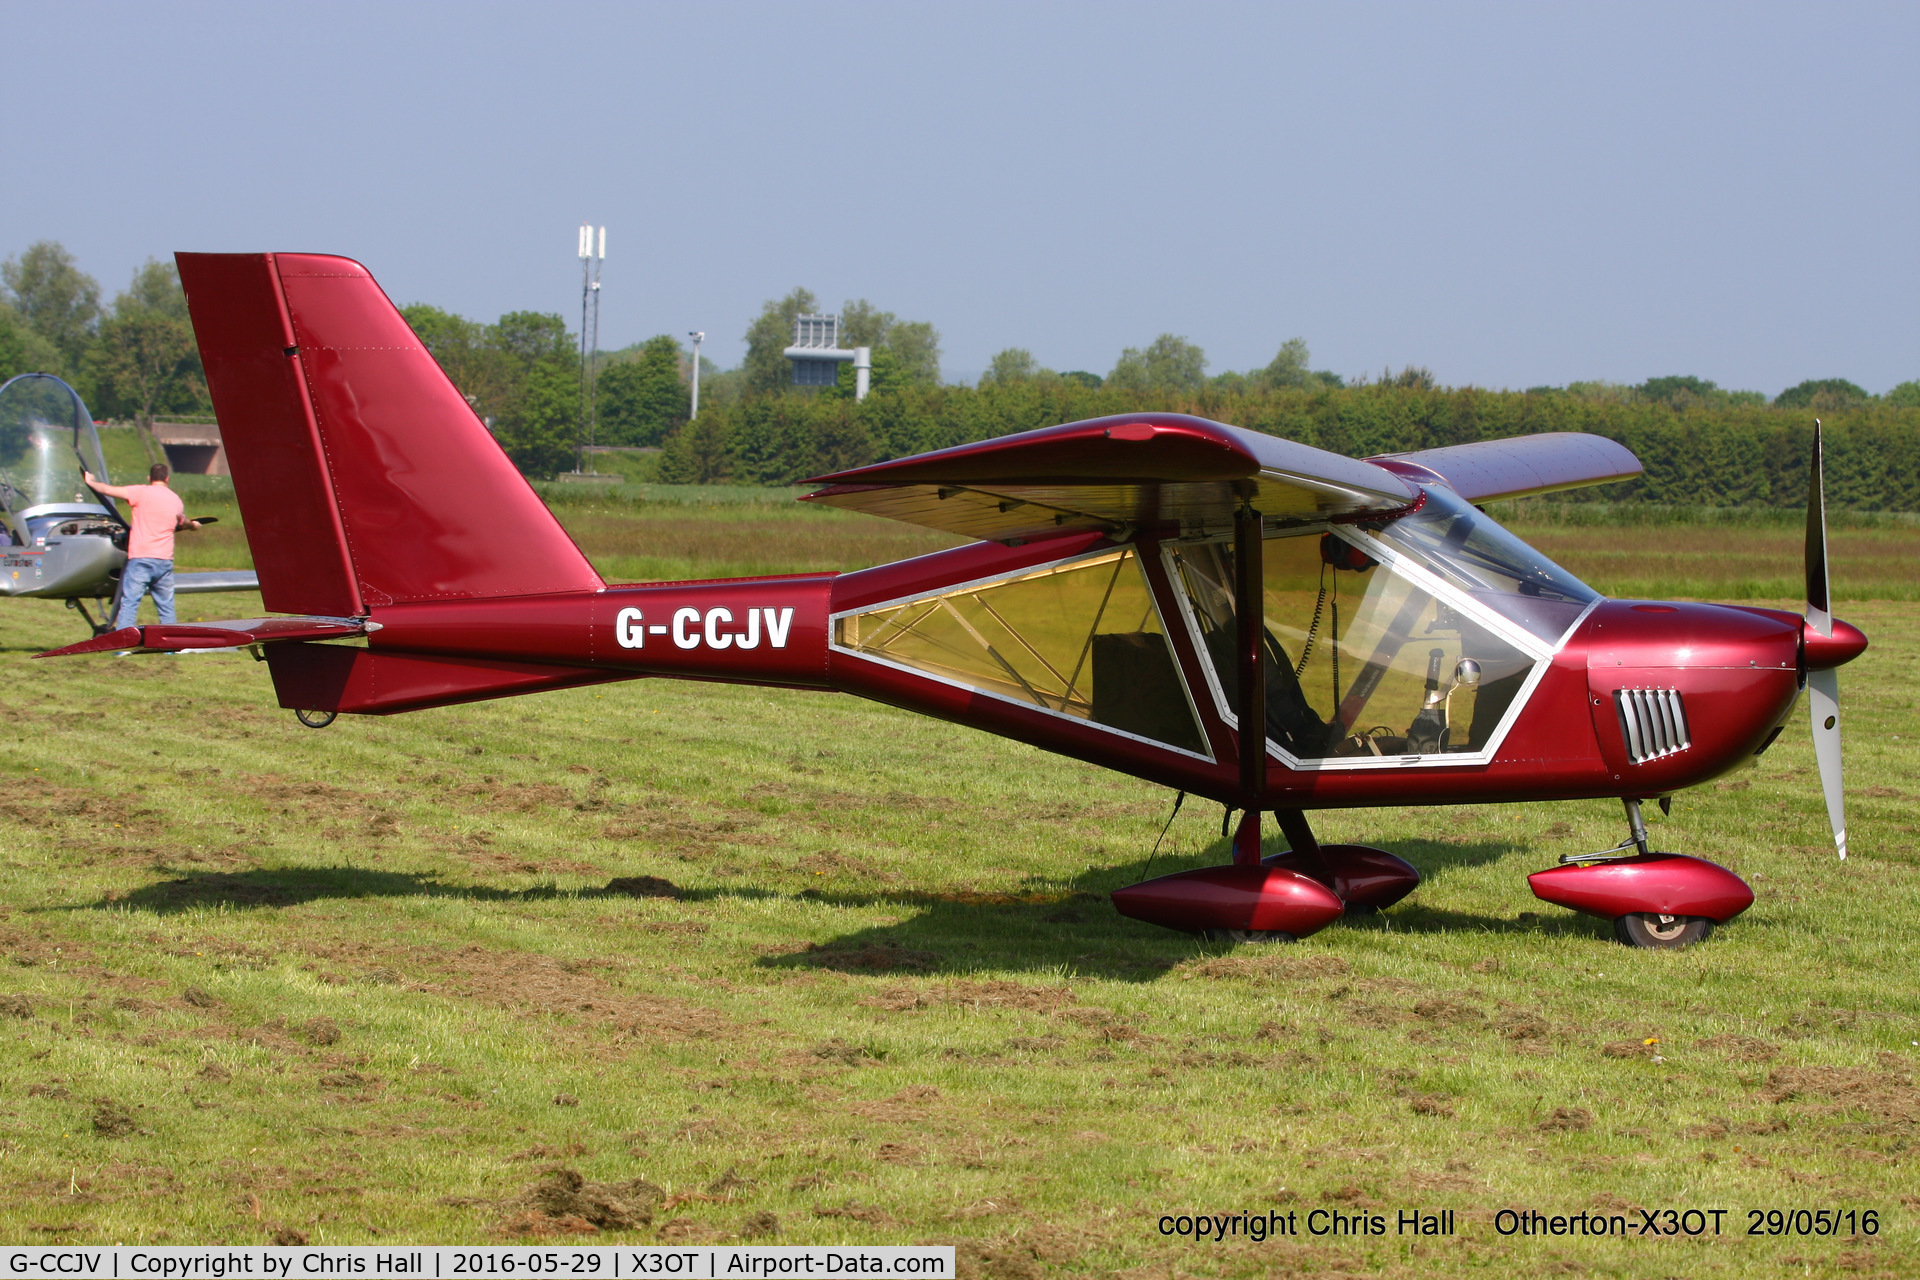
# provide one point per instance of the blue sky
(1510, 194)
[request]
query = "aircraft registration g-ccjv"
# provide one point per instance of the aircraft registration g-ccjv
(1144, 588)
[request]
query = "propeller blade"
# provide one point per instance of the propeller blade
(1823, 700)
(1823, 687)
(1819, 595)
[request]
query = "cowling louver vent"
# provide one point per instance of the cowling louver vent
(1653, 722)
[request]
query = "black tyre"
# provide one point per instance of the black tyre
(1248, 935)
(1661, 932)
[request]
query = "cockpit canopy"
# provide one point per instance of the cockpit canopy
(1417, 637)
(46, 440)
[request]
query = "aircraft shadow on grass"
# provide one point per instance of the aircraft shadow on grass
(1051, 931)
(1048, 929)
(294, 886)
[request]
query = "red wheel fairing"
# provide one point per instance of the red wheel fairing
(1666, 883)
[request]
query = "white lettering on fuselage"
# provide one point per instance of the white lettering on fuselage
(691, 628)
(627, 629)
(682, 638)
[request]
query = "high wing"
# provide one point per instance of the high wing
(1518, 467)
(1162, 472)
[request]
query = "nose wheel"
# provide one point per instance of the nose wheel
(1660, 901)
(1248, 935)
(1661, 932)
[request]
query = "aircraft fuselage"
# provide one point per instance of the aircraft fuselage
(1588, 724)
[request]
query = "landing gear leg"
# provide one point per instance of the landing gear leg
(1305, 848)
(1637, 825)
(100, 628)
(1656, 930)
(1246, 853)
(1367, 880)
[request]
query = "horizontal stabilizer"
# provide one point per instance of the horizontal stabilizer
(1158, 471)
(171, 637)
(224, 580)
(1521, 466)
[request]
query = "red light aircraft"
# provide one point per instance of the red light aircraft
(1143, 587)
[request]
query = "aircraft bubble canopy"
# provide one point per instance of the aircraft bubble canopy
(46, 440)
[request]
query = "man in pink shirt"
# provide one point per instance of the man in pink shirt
(157, 512)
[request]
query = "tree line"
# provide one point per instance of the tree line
(132, 359)
(135, 360)
(1695, 453)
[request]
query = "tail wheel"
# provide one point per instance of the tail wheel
(1661, 932)
(1248, 935)
(315, 719)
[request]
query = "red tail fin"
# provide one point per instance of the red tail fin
(364, 476)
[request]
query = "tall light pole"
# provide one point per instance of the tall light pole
(589, 292)
(698, 338)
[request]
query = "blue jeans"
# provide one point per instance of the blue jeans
(144, 575)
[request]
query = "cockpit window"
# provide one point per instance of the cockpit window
(1472, 552)
(1081, 638)
(1361, 661)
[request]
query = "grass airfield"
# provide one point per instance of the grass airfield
(799, 968)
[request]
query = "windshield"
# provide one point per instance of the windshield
(1465, 546)
(46, 439)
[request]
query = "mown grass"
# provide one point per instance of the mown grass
(368, 984)
(1736, 554)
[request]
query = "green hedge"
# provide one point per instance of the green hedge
(1725, 456)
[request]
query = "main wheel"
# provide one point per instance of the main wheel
(1661, 932)
(1248, 935)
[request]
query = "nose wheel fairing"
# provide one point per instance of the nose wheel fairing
(1668, 884)
(1655, 900)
